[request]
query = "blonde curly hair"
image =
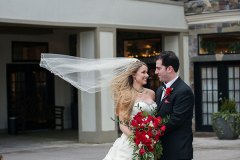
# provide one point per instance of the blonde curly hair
(123, 93)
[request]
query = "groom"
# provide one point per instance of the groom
(175, 99)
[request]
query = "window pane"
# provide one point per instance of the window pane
(205, 122)
(215, 96)
(203, 72)
(236, 72)
(142, 47)
(209, 72)
(215, 84)
(231, 94)
(237, 99)
(204, 108)
(230, 72)
(210, 119)
(209, 85)
(236, 84)
(204, 86)
(210, 97)
(215, 107)
(204, 96)
(215, 73)
(28, 51)
(238, 107)
(210, 108)
(230, 84)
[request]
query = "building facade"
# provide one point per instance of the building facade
(214, 47)
(89, 29)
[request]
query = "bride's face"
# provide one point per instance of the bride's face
(141, 75)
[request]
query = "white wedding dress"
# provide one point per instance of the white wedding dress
(122, 149)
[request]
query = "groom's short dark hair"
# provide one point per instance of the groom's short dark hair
(169, 58)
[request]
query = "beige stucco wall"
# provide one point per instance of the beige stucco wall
(135, 14)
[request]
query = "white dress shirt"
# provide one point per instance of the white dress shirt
(168, 85)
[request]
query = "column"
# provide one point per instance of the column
(107, 48)
(96, 110)
(177, 43)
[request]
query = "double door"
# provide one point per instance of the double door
(30, 91)
(214, 81)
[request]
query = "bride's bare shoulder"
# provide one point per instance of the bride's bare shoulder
(150, 93)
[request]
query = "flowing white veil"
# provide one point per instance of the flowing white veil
(90, 75)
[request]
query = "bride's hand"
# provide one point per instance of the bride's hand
(125, 129)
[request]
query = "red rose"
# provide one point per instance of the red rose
(163, 128)
(149, 118)
(151, 149)
(142, 151)
(157, 121)
(168, 91)
(137, 140)
(134, 123)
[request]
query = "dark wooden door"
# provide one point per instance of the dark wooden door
(214, 81)
(30, 91)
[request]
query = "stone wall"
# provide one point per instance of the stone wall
(201, 6)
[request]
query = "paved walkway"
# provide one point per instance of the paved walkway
(59, 145)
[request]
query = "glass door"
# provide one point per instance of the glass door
(213, 82)
(30, 96)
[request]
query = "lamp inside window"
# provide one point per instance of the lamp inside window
(142, 48)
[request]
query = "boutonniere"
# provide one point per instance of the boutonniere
(168, 92)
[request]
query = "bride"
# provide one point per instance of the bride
(129, 77)
(129, 93)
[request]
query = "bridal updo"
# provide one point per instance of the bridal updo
(123, 93)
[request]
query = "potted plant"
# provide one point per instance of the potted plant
(226, 122)
(235, 47)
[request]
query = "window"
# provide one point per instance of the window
(142, 48)
(224, 43)
(28, 51)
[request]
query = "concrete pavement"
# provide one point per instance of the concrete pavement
(59, 145)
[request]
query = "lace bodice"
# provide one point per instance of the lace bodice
(144, 106)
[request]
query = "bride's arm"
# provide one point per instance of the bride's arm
(123, 127)
(125, 130)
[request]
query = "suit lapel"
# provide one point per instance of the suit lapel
(160, 104)
(174, 85)
(159, 95)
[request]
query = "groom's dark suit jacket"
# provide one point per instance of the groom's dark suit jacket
(177, 141)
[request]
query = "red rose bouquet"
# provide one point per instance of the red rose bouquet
(147, 130)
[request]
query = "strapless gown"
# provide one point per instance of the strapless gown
(122, 149)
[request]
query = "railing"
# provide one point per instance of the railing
(210, 6)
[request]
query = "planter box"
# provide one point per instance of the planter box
(225, 129)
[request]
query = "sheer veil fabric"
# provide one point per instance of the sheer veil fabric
(90, 75)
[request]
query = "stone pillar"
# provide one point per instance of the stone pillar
(96, 110)
(186, 58)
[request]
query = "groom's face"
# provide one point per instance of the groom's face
(161, 71)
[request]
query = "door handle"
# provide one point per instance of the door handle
(220, 97)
